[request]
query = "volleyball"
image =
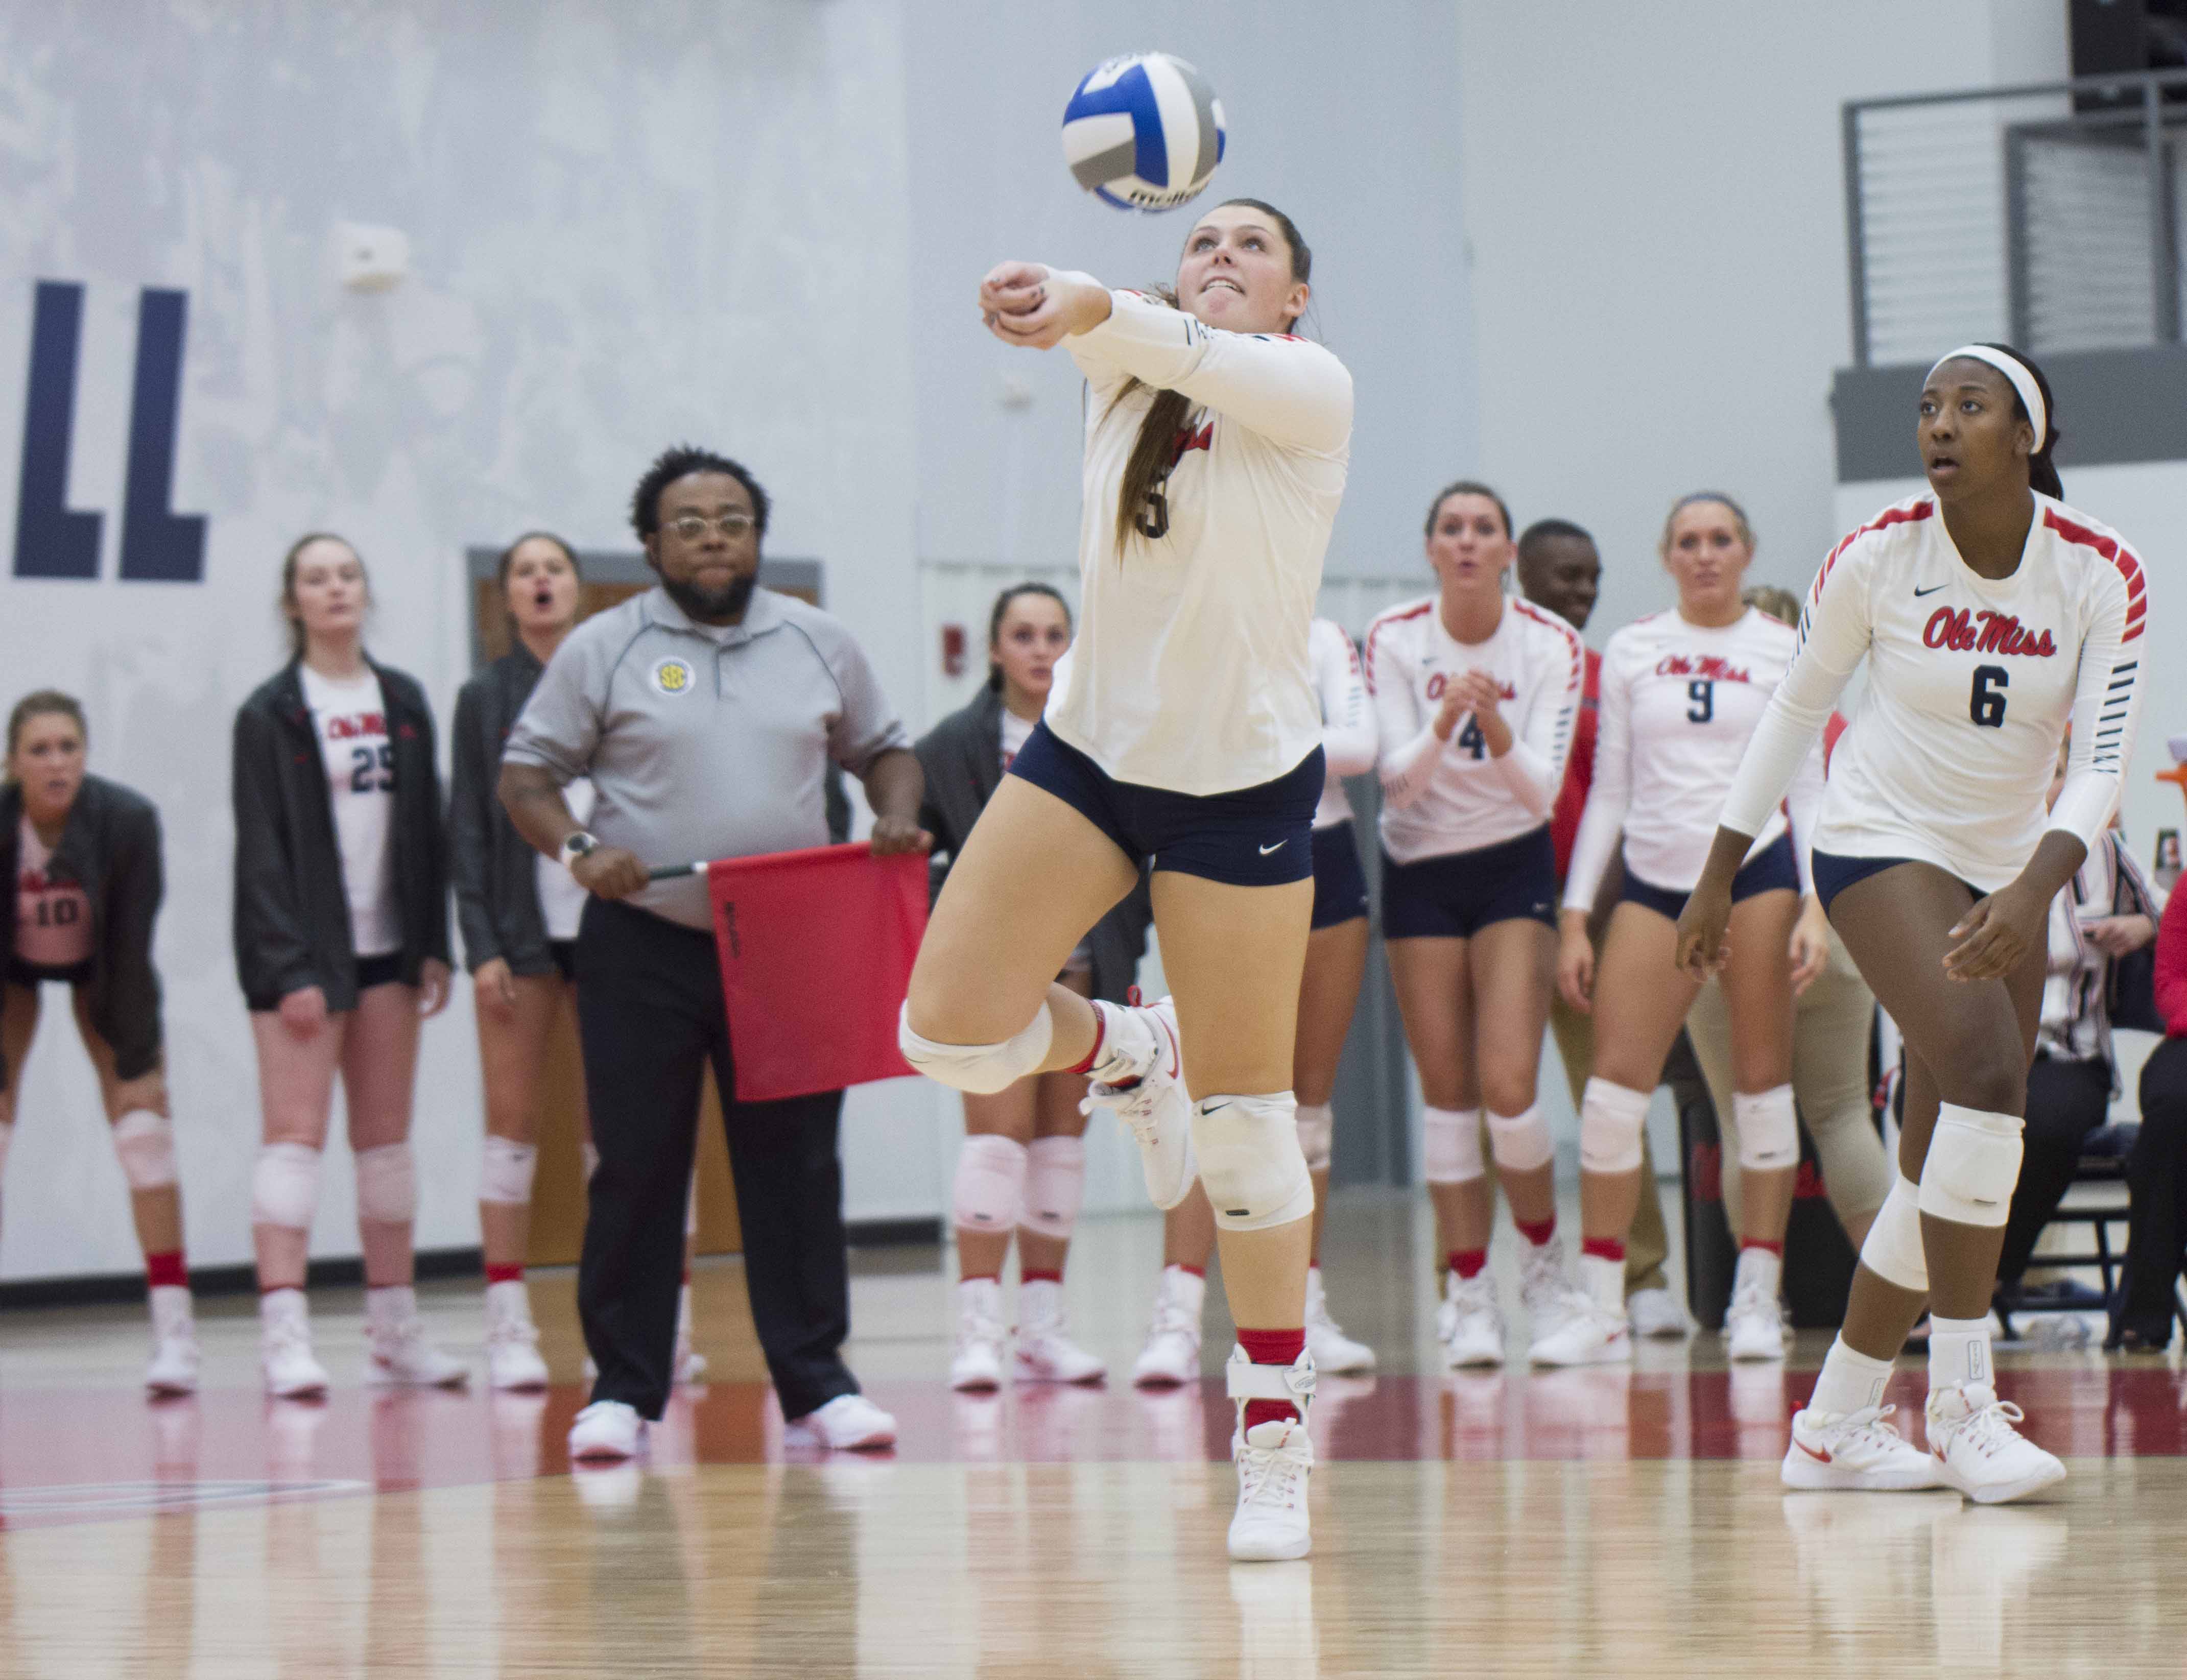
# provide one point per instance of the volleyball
(1144, 132)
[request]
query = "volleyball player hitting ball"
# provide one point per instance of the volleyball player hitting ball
(1329, 996)
(1476, 695)
(1991, 615)
(1182, 727)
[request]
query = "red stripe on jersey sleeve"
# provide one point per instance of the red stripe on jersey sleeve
(2124, 559)
(1573, 647)
(1883, 521)
(1376, 629)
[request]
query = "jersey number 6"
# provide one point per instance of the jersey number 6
(1986, 705)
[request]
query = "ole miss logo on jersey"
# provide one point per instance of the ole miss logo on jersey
(1438, 683)
(353, 728)
(1985, 631)
(1712, 667)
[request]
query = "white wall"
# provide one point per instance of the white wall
(629, 225)
(1656, 236)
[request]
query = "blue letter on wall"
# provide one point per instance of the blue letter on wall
(158, 544)
(50, 540)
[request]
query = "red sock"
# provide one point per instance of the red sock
(166, 1271)
(1272, 1347)
(1100, 1033)
(1042, 1276)
(1468, 1262)
(1199, 1271)
(1537, 1232)
(1777, 1249)
(1604, 1248)
(505, 1274)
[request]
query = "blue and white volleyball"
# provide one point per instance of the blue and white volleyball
(1144, 132)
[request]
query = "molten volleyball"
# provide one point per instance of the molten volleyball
(1144, 132)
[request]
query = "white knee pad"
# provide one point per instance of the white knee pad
(1768, 1129)
(284, 1186)
(1521, 1142)
(1612, 1118)
(1892, 1248)
(1317, 1125)
(1450, 1146)
(145, 1142)
(980, 1068)
(990, 1184)
(1250, 1164)
(1055, 1185)
(505, 1175)
(387, 1184)
(1974, 1162)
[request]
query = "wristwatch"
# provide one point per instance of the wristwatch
(576, 846)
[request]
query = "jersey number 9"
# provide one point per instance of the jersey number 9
(1702, 693)
(1986, 705)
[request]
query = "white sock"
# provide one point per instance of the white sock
(171, 1304)
(1850, 1381)
(509, 1301)
(388, 1305)
(1190, 1288)
(1127, 1044)
(683, 1314)
(1759, 1267)
(278, 1306)
(1959, 1351)
(1042, 1297)
(1603, 1281)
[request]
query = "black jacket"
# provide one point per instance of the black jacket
(962, 758)
(495, 870)
(111, 848)
(291, 911)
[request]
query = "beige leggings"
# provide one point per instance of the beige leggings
(1830, 1078)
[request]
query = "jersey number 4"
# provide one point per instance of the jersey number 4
(1472, 740)
(375, 772)
(1986, 705)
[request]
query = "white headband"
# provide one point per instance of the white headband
(2023, 381)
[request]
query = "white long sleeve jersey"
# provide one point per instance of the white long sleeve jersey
(1972, 681)
(1679, 702)
(1445, 796)
(1192, 670)
(1347, 722)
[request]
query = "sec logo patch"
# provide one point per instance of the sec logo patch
(673, 676)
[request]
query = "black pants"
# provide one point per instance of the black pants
(2157, 1181)
(650, 1015)
(2066, 1101)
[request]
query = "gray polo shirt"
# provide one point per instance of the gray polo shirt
(706, 740)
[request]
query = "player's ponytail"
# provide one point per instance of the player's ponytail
(1156, 451)
(2041, 469)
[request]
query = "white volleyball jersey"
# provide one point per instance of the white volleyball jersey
(1191, 670)
(1445, 796)
(1679, 702)
(351, 719)
(1347, 722)
(1972, 681)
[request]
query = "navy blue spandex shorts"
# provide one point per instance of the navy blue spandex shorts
(1458, 894)
(1771, 868)
(1259, 836)
(1834, 872)
(1340, 881)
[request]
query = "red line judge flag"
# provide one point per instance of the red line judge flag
(816, 949)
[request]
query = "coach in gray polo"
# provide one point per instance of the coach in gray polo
(706, 712)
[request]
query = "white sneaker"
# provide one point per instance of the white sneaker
(607, 1431)
(1657, 1315)
(1273, 1460)
(1333, 1350)
(1859, 1451)
(977, 1362)
(513, 1364)
(1586, 1333)
(849, 1423)
(1171, 1356)
(284, 1347)
(1156, 1108)
(1754, 1325)
(1980, 1453)
(401, 1356)
(1544, 1286)
(1471, 1321)
(688, 1367)
(1046, 1354)
(174, 1366)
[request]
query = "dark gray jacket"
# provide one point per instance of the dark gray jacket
(495, 871)
(962, 758)
(291, 911)
(111, 848)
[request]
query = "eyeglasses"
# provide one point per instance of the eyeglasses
(693, 526)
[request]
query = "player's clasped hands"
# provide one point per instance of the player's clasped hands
(1030, 304)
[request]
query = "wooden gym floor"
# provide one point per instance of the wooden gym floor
(1583, 1523)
